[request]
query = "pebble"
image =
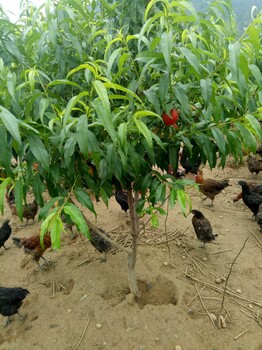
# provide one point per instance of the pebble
(226, 230)
(214, 318)
(178, 347)
(68, 311)
(223, 279)
(178, 244)
(83, 297)
(250, 306)
(239, 291)
(183, 245)
(157, 340)
(218, 280)
(165, 263)
(164, 250)
(130, 299)
(183, 257)
(204, 258)
(221, 216)
(98, 325)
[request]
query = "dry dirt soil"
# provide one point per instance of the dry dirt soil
(80, 303)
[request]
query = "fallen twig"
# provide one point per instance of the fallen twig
(227, 278)
(201, 300)
(220, 251)
(240, 334)
(199, 268)
(254, 235)
(83, 334)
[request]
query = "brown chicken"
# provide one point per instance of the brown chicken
(29, 211)
(202, 227)
(210, 187)
(253, 187)
(254, 164)
(33, 247)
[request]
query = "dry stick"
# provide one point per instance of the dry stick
(201, 300)
(199, 268)
(195, 296)
(217, 289)
(239, 335)
(83, 334)
(260, 243)
(229, 273)
(220, 251)
(211, 273)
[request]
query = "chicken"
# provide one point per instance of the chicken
(99, 242)
(258, 216)
(253, 187)
(5, 232)
(29, 211)
(254, 164)
(179, 174)
(10, 197)
(190, 165)
(251, 199)
(210, 187)
(122, 200)
(202, 227)
(33, 247)
(10, 301)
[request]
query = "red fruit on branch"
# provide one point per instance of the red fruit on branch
(174, 114)
(170, 119)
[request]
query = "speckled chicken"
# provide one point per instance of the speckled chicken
(254, 164)
(5, 232)
(210, 187)
(33, 247)
(99, 242)
(202, 227)
(11, 300)
(29, 211)
(122, 199)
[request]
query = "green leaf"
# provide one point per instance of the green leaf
(166, 47)
(3, 188)
(256, 74)
(220, 139)
(192, 59)
(183, 199)
(82, 135)
(206, 89)
(48, 205)
(56, 229)
(143, 129)
(247, 137)
(45, 227)
(18, 191)
(39, 151)
(69, 149)
(102, 93)
(63, 82)
(11, 85)
(122, 134)
(255, 124)
(154, 220)
(77, 217)
(43, 104)
(11, 123)
(84, 199)
(71, 104)
(105, 118)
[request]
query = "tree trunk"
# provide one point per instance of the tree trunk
(132, 256)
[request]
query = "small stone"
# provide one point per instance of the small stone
(157, 340)
(83, 297)
(223, 279)
(98, 325)
(178, 347)
(204, 258)
(239, 291)
(183, 245)
(218, 280)
(242, 208)
(165, 263)
(130, 299)
(223, 322)
(250, 306)
(178, 243)
(221, 216)
(69, 310)
(27, 327)
(226, 230)
(183, 257)
(164, 250)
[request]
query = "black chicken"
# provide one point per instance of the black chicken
(10, 301)
(122, 200)
(254, 164)
(5, 232)
(259, 216)
(99, 242)
(202, 227)
(251, 199)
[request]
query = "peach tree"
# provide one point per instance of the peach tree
(83, 86)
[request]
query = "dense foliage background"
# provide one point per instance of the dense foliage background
(83, 85)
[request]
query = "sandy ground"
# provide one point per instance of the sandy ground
(88, 306)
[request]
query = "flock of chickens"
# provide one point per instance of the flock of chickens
(11, 298)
